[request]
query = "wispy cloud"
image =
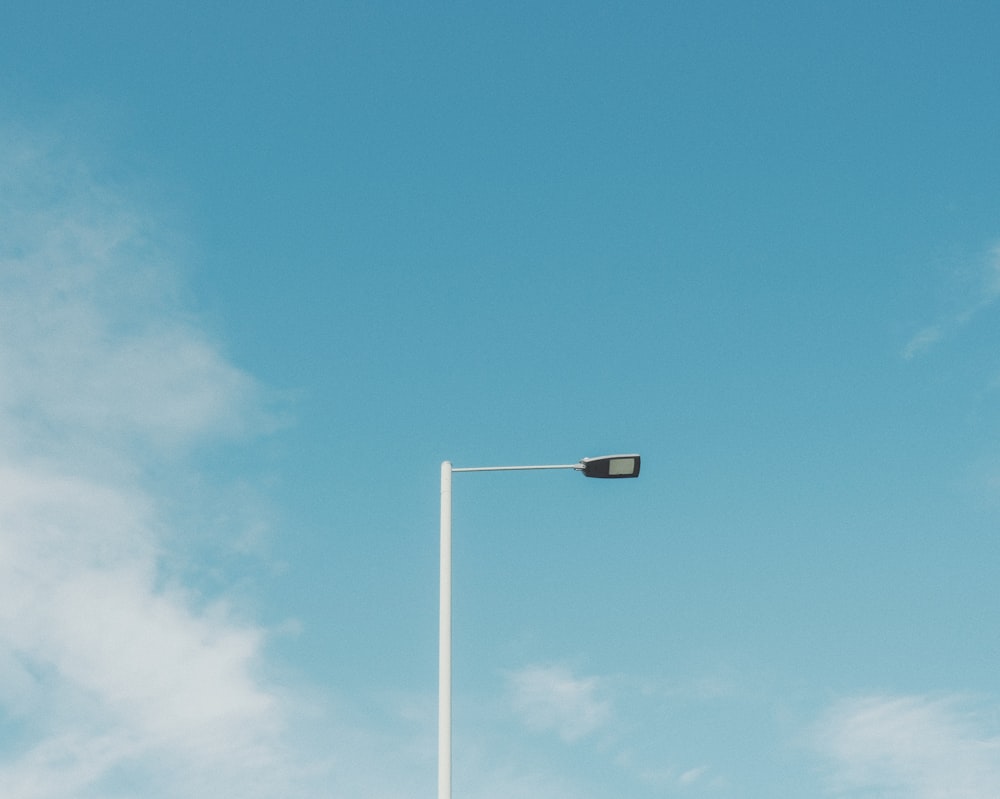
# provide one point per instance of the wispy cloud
(912, 747)
(114, 678)
(625, 721)
(551, 698)
(986, 294)
(923, 340)
(691, 776)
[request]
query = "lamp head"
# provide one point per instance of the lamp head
(610, 466)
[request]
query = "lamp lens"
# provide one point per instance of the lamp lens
(621, 466)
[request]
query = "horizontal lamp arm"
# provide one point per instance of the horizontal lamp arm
(577, 466)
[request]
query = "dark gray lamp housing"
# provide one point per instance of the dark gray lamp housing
(610, 466)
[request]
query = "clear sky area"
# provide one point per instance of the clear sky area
(264, 266)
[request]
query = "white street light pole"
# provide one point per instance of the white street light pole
(612, 466)
(444, 640)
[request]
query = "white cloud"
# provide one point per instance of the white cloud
(550, 698)
(90, 355)
(912, 747)
(692, 775)
(922, 341)
(991, 291)
(114, 679)
(987, 292)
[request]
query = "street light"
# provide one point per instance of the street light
(607, 466)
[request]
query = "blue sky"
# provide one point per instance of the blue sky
(263, 267)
